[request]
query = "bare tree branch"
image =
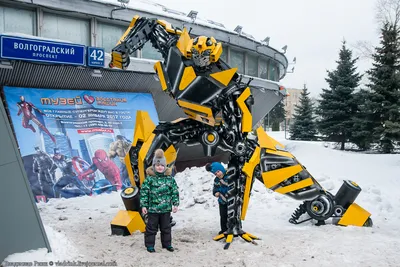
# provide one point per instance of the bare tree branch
(363, 49)
(388, 11)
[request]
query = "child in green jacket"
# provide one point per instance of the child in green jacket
(159, 196)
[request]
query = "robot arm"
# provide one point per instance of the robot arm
(161, 34)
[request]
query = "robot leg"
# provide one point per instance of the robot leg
(241, 178)
(147, 138)
(284, 174)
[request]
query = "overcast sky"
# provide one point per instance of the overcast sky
(312, 29)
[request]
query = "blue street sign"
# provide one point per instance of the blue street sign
(95, 57)
(13, 47)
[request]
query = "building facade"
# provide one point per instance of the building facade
(291, 101)
(101, 24)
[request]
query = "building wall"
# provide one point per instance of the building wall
(101, 32)
(291, 101)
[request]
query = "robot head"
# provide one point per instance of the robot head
(202, 49)
(101, 157)
(22, 98)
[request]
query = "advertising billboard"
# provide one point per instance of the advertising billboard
(73, 142)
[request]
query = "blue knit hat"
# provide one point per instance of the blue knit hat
(214, 167)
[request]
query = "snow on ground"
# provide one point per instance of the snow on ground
(79, 229)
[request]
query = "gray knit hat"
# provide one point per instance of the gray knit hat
(159, 158)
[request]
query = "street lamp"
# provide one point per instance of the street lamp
(193, 15)
(284, 49)
(266, 41)
(238, 29)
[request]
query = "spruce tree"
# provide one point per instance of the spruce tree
(303, 127)
(384, 98)
(363, 125)
(338, 105)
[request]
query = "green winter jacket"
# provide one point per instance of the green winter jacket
(159, 192)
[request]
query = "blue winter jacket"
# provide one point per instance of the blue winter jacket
(221, 186)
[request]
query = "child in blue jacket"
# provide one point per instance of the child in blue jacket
(220, 190)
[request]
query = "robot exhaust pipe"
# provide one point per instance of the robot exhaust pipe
(347, 193)
(349, 212)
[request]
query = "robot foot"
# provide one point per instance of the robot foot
(229, 238)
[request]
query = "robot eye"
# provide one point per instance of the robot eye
(206, 53)
(194, 51)
(209, 42)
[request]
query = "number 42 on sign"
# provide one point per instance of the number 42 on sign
(95, 57)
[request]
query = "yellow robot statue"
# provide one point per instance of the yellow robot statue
(219, 115)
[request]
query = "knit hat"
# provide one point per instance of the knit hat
(214, 167)
(159, 158)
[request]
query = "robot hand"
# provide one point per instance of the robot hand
(119, 59)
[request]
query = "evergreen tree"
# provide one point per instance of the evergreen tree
(363, 125)
(384, 100)
(303, 127)
(276, 116)
(338, 105)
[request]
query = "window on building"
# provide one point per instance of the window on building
(272, 72)
(149, 52)
(107, 35)
(66, 28)
(252, 65)
(14, 20)
(281, 71)
(263, 69)
(237, 60)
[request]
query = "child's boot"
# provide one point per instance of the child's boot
(151, 249)
(170, 248)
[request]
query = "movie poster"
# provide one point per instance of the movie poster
(73, 142)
